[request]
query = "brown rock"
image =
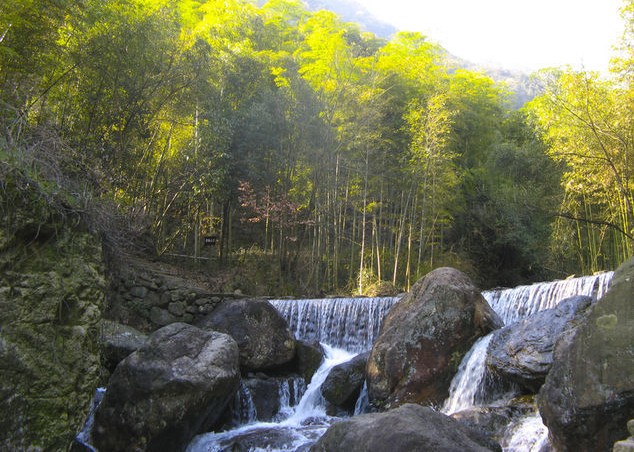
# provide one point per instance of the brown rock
(424, 338)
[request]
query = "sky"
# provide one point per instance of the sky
(514, 34)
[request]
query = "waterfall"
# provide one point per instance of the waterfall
(528, 434)
(363, 401)
(346, 326)
(513, 305)
(522, 301)
(468, 381)
(312, 403)
(290, 393)
(306, 422)
(348, 323)
(467, 388)
(244, 411)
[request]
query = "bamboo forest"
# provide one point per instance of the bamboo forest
(300, 155)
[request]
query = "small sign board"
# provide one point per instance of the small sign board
(210, 240)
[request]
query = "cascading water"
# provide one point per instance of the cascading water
(467, 383)
(513, 305)
(348, 323)
(304, 424)
(344, 327)
(522, 301)
(528, 434)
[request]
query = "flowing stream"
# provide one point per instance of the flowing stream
(344, 327)
(348, 326)
(467, 387)
(302, 425)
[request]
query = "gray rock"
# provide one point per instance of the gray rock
(424, 338)
(177, 308)
(588, 395)
(522, 353)
(259, 329)
(407, 428)
(118, 341)
(139, 291)
(308, 358)
(160, 396)
(161, 317)
(344, 382)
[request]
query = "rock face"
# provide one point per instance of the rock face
(407, 428)
(588, 395)
(261, 332)
(160, 396)
(522, 353)
(344, 382)
(51, 302)
(118, 341)
(424, 338)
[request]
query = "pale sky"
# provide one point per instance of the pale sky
(513, 34)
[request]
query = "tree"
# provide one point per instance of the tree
(588, 124)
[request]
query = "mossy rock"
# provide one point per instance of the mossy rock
(51, 301)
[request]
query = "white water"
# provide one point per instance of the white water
(353, 325)
(529, 433)
(468, 381)
(305, 422)
(522, 301)
(244, 410)
(363, 401)
(348, 323)
(290, 392)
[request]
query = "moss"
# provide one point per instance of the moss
(51, 299)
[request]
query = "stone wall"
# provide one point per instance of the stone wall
(148, 295)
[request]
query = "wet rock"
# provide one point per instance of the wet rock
(308, 358)
(424, 338)
(265, 396)
(522, 353)
(344, 382)
(588, 395)
(176, 384)
(407, 428)
(259, 329)
(494, 421)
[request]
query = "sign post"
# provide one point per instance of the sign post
(210, 240)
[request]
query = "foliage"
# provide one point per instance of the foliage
(344, 159)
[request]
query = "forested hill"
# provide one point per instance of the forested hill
(352, 11)
(315, 156)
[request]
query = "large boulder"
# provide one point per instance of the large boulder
(588, 395)
(407, 428)
(522, 353)
(118, 342)
(259, 329)
(176, 384)
(344, 382)
(424, 338)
